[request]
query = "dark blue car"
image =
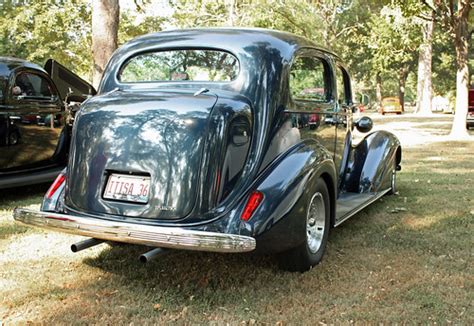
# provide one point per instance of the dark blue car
(34, 128)
(202, 139)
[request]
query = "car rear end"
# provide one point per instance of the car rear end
(158, 166)
(391, 105)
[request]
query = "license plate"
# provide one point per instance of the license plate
(132, 188)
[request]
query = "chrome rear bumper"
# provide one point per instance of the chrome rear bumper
(155, 236)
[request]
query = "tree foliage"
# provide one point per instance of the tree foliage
(375, 38)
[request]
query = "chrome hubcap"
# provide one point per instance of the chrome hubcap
(394, 179)
(13, 139)
(315, 222)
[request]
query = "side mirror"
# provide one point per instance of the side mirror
(364, 124)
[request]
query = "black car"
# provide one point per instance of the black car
(34, 133)
(202, 139)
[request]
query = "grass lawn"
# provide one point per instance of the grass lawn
(406, 258)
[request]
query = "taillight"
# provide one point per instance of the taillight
(56, 184)
(255, 199)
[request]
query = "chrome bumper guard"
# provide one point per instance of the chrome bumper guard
(155, 236)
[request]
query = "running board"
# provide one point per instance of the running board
(360, 207)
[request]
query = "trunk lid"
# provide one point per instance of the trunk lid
(159, 135)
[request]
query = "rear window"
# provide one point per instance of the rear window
(180, 65)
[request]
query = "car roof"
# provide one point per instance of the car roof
(230, 38)
(8, 64)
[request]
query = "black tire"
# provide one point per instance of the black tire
(393, 179)
(13, 138)
(306, 255)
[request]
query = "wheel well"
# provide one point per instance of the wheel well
(398, 155)
(332, 195)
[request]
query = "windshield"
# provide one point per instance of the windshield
(180, 65)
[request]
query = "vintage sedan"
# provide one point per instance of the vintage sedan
(391, 105)
(201, 139)
(34, 133)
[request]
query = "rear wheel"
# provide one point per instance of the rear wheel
(317, 224)
(13, 138)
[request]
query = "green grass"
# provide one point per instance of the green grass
(413, 266)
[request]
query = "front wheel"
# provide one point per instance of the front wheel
(317, 224)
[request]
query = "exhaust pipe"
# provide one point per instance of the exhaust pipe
(152, 254)
(81, 245)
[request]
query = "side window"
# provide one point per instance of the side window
(343, 86)
(33, 86)
(3, 84)
(308, 80)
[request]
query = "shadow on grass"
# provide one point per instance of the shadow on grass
(8, 230)
(27, 195)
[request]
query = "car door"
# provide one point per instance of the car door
(312, 103)
(68, 83)
(35, 114)
(344, 117)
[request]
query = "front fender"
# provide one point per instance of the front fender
(277, 224)
(371, 162)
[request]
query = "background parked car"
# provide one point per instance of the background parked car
(34, 135)
(470, 111)
(391, 105)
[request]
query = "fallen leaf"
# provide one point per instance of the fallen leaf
(398, 210)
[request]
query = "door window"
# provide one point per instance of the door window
(34, 86)
(308, 80)
(343, 87)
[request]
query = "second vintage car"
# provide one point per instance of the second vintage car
(391, 105)
(206, 139)
(34, 133)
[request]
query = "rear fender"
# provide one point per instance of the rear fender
(277, 223)
(370, 163)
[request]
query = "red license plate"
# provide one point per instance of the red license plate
(132, 188)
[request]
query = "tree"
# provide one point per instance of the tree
(455, 17)
(105, 24)
(424, 94)
(37, 31)
(459, 25)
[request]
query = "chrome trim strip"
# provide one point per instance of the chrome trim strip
(361, 207)
(155, 236)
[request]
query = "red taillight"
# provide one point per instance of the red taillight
(56, 184)
(255, 199)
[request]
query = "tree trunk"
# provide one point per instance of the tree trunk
(105, 22)
(461, 42)
(230, 4)
(378, 90)
(424, 84)
(402, 79)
